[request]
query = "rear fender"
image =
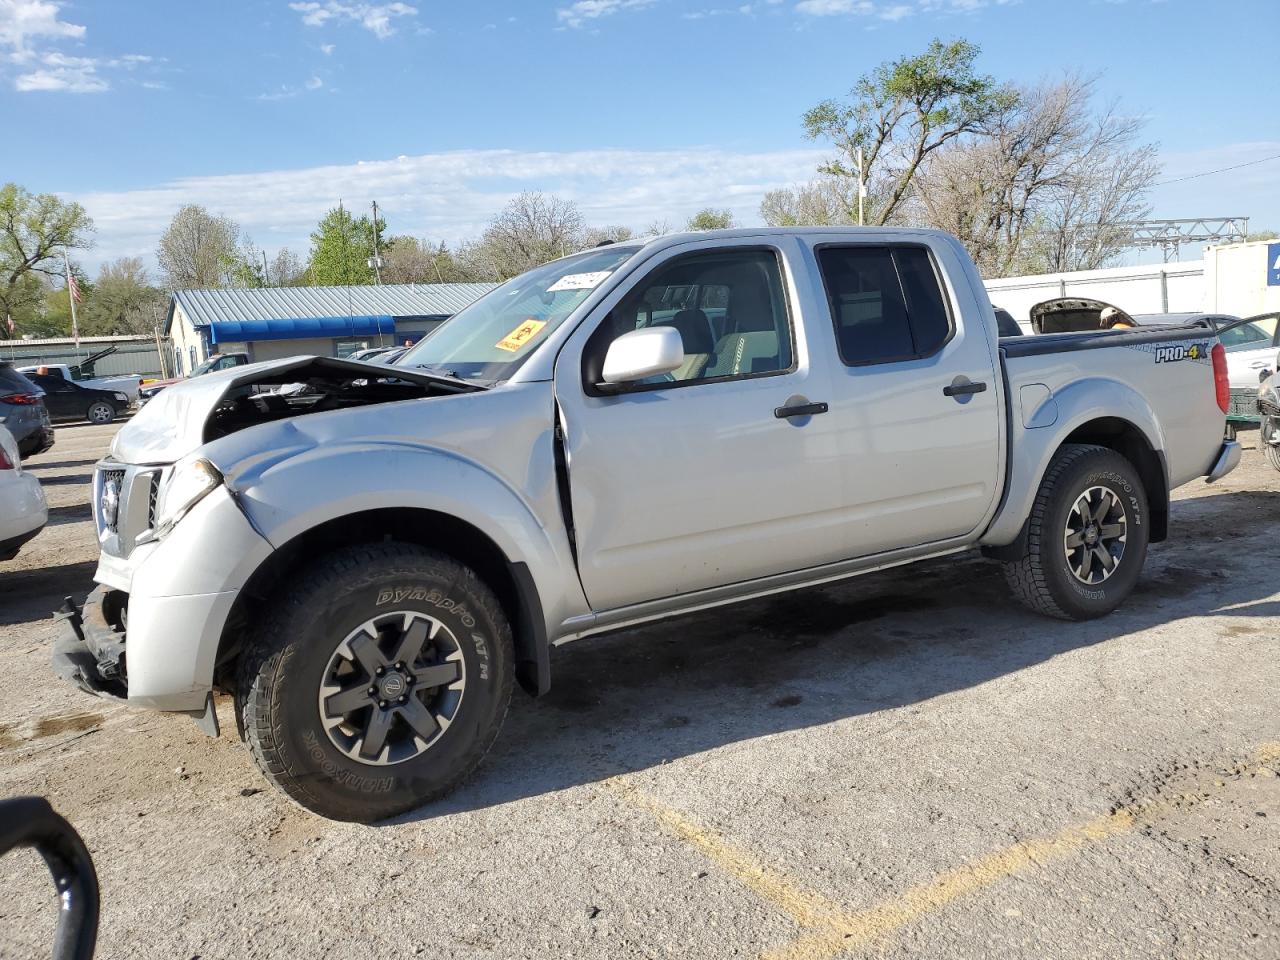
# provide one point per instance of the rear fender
(1072, 408)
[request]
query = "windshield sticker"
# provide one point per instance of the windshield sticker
(579, 281)
(521, 335)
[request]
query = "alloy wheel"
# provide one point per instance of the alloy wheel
(1094, 538)
(392, 687)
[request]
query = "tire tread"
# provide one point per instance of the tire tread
(267, 654)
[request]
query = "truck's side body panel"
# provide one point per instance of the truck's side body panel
(1161, 382)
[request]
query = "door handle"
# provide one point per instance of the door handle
(799, 410)
(961, 387)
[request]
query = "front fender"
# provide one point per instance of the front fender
(284, 498)
(1064, 412)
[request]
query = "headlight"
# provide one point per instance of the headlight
(188, 484)
(122, 396)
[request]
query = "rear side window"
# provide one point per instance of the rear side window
(886, 303)
(11, 381)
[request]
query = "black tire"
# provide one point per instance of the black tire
(100, 412)
(292, 651)
(1044, 579)
(1272, 453)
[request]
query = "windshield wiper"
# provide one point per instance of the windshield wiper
(440, 371)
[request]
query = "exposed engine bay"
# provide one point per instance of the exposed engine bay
(319, 385)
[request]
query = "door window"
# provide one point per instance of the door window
(886, 303)
(1248, 336)
(729, 307)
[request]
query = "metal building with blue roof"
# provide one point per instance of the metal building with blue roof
(272, 322)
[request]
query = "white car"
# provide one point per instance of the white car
(23, 511)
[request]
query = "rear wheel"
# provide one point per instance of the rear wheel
(100, 412)
(1087, 536)
(378, 682)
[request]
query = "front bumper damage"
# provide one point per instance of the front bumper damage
(91, 651)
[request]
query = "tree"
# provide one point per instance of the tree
(614, 233)
(530, 230)
(341, 247)
(122, 301)
(1047, 186)
(900, 114)
(34, 232)
(199, 250)
(710, 218)
(1262, 235)
(820, 203)
(287, 269)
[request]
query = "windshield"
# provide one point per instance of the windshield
(490, 339)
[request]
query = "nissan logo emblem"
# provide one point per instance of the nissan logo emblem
(109, 504)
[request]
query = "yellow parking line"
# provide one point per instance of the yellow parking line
(835, 930)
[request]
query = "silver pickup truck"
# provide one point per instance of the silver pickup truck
(366, 557)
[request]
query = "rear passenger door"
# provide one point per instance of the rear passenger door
(915, 401)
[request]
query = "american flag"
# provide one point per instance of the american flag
(74, 288)
(10, 320)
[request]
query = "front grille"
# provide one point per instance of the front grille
(107, 477)
(153, 482)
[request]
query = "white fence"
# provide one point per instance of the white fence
(1148, 288)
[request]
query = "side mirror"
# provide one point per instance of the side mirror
(643, 353)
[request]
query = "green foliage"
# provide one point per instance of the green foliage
(34, 230)
(341, 246)
(122, 301)
(900, 113)
(710, 218)
(1262, 235)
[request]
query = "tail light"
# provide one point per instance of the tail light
(21, 399)
(5, 462)
(1221, 385)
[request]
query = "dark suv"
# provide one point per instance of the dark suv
(23, 412)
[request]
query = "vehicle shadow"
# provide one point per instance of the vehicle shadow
(34, 464)
(75, 513)
(33, 594)
(640, 698)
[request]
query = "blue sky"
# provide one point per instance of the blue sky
(639, 110)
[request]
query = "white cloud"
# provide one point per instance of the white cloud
(22, 21)
(577, 14)
(327, 48)
(375, 17)
(28, 31)
(314, 83)
(451, 196)
(834, 8)
(60, 73)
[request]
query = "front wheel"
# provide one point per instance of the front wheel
(378, 682)
(1087, 536)
(100, 412)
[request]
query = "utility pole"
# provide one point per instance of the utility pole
(376, 260)
(266, 281)
(862, 186)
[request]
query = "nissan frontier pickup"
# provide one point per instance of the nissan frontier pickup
(367, 558)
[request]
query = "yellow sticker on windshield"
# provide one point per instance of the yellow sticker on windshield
(521, 335)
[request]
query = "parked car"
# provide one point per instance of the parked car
(367, 355)
(23, 412)
(68, 400)
(83, 374)
(219, 361)
(623, 435)
(23, 511)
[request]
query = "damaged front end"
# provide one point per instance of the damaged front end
(189, 414)
(90, 652)
(319, 386)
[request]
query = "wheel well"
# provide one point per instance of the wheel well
(457, 538)
(1131, 443)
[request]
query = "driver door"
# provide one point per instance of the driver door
(699, 478)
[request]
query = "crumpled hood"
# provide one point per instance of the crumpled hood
(175, 422)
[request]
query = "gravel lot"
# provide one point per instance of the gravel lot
(902, 765)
